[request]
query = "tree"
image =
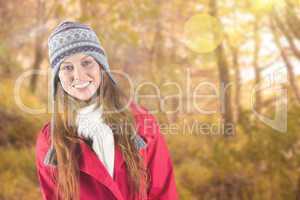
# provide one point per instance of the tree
(225, 90)
(288, 64)
(258, 97)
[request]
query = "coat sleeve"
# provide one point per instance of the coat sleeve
(162, 181)
(45, 173)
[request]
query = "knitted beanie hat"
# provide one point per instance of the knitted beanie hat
(69, 38)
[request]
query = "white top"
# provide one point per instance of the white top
(91, 125)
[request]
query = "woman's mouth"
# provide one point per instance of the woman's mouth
(82, 85)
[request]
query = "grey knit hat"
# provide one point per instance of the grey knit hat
(69, 38)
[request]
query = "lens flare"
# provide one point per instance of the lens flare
(203, 33)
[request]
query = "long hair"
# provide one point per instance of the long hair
(66, 141)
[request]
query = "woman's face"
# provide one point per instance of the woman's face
(79, 75)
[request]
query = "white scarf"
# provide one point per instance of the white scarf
(91, 126)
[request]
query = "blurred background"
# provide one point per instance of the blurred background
(227, 72)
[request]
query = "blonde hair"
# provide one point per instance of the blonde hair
(66, 141)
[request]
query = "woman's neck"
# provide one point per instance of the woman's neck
(84, 103)
(87, 109)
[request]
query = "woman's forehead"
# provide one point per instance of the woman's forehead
(75, 57)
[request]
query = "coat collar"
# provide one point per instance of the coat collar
(91, 165)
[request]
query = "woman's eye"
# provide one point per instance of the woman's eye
(68, 67)
(86, 63)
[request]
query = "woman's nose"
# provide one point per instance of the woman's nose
(78, 73)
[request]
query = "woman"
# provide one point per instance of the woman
(97, 145)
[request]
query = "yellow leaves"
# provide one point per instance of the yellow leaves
(235, 36)
(18, 173)
(13, 99)
(295, 2)
(194, 173)
(126, 33)
(266, 6)
(203, 33)
(18, 126)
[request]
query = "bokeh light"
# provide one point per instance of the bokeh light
(203, 33)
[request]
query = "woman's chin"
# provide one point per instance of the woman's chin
(83, 97)
(83, 94)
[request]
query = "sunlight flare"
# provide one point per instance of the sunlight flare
(203, 33)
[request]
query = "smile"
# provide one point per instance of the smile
(83, 85)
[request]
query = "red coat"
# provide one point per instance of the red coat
(95, 181)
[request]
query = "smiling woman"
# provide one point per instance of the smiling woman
(100, 145)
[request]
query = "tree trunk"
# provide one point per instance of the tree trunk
(38, 50)
(157, 53)
(298, 189)
(287, 35)
(258, 98)
(288, 64)
(237, 79)
(225, 90)
(292, 20)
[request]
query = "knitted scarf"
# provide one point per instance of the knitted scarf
(90, 125)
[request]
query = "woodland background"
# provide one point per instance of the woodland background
(245, 43)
